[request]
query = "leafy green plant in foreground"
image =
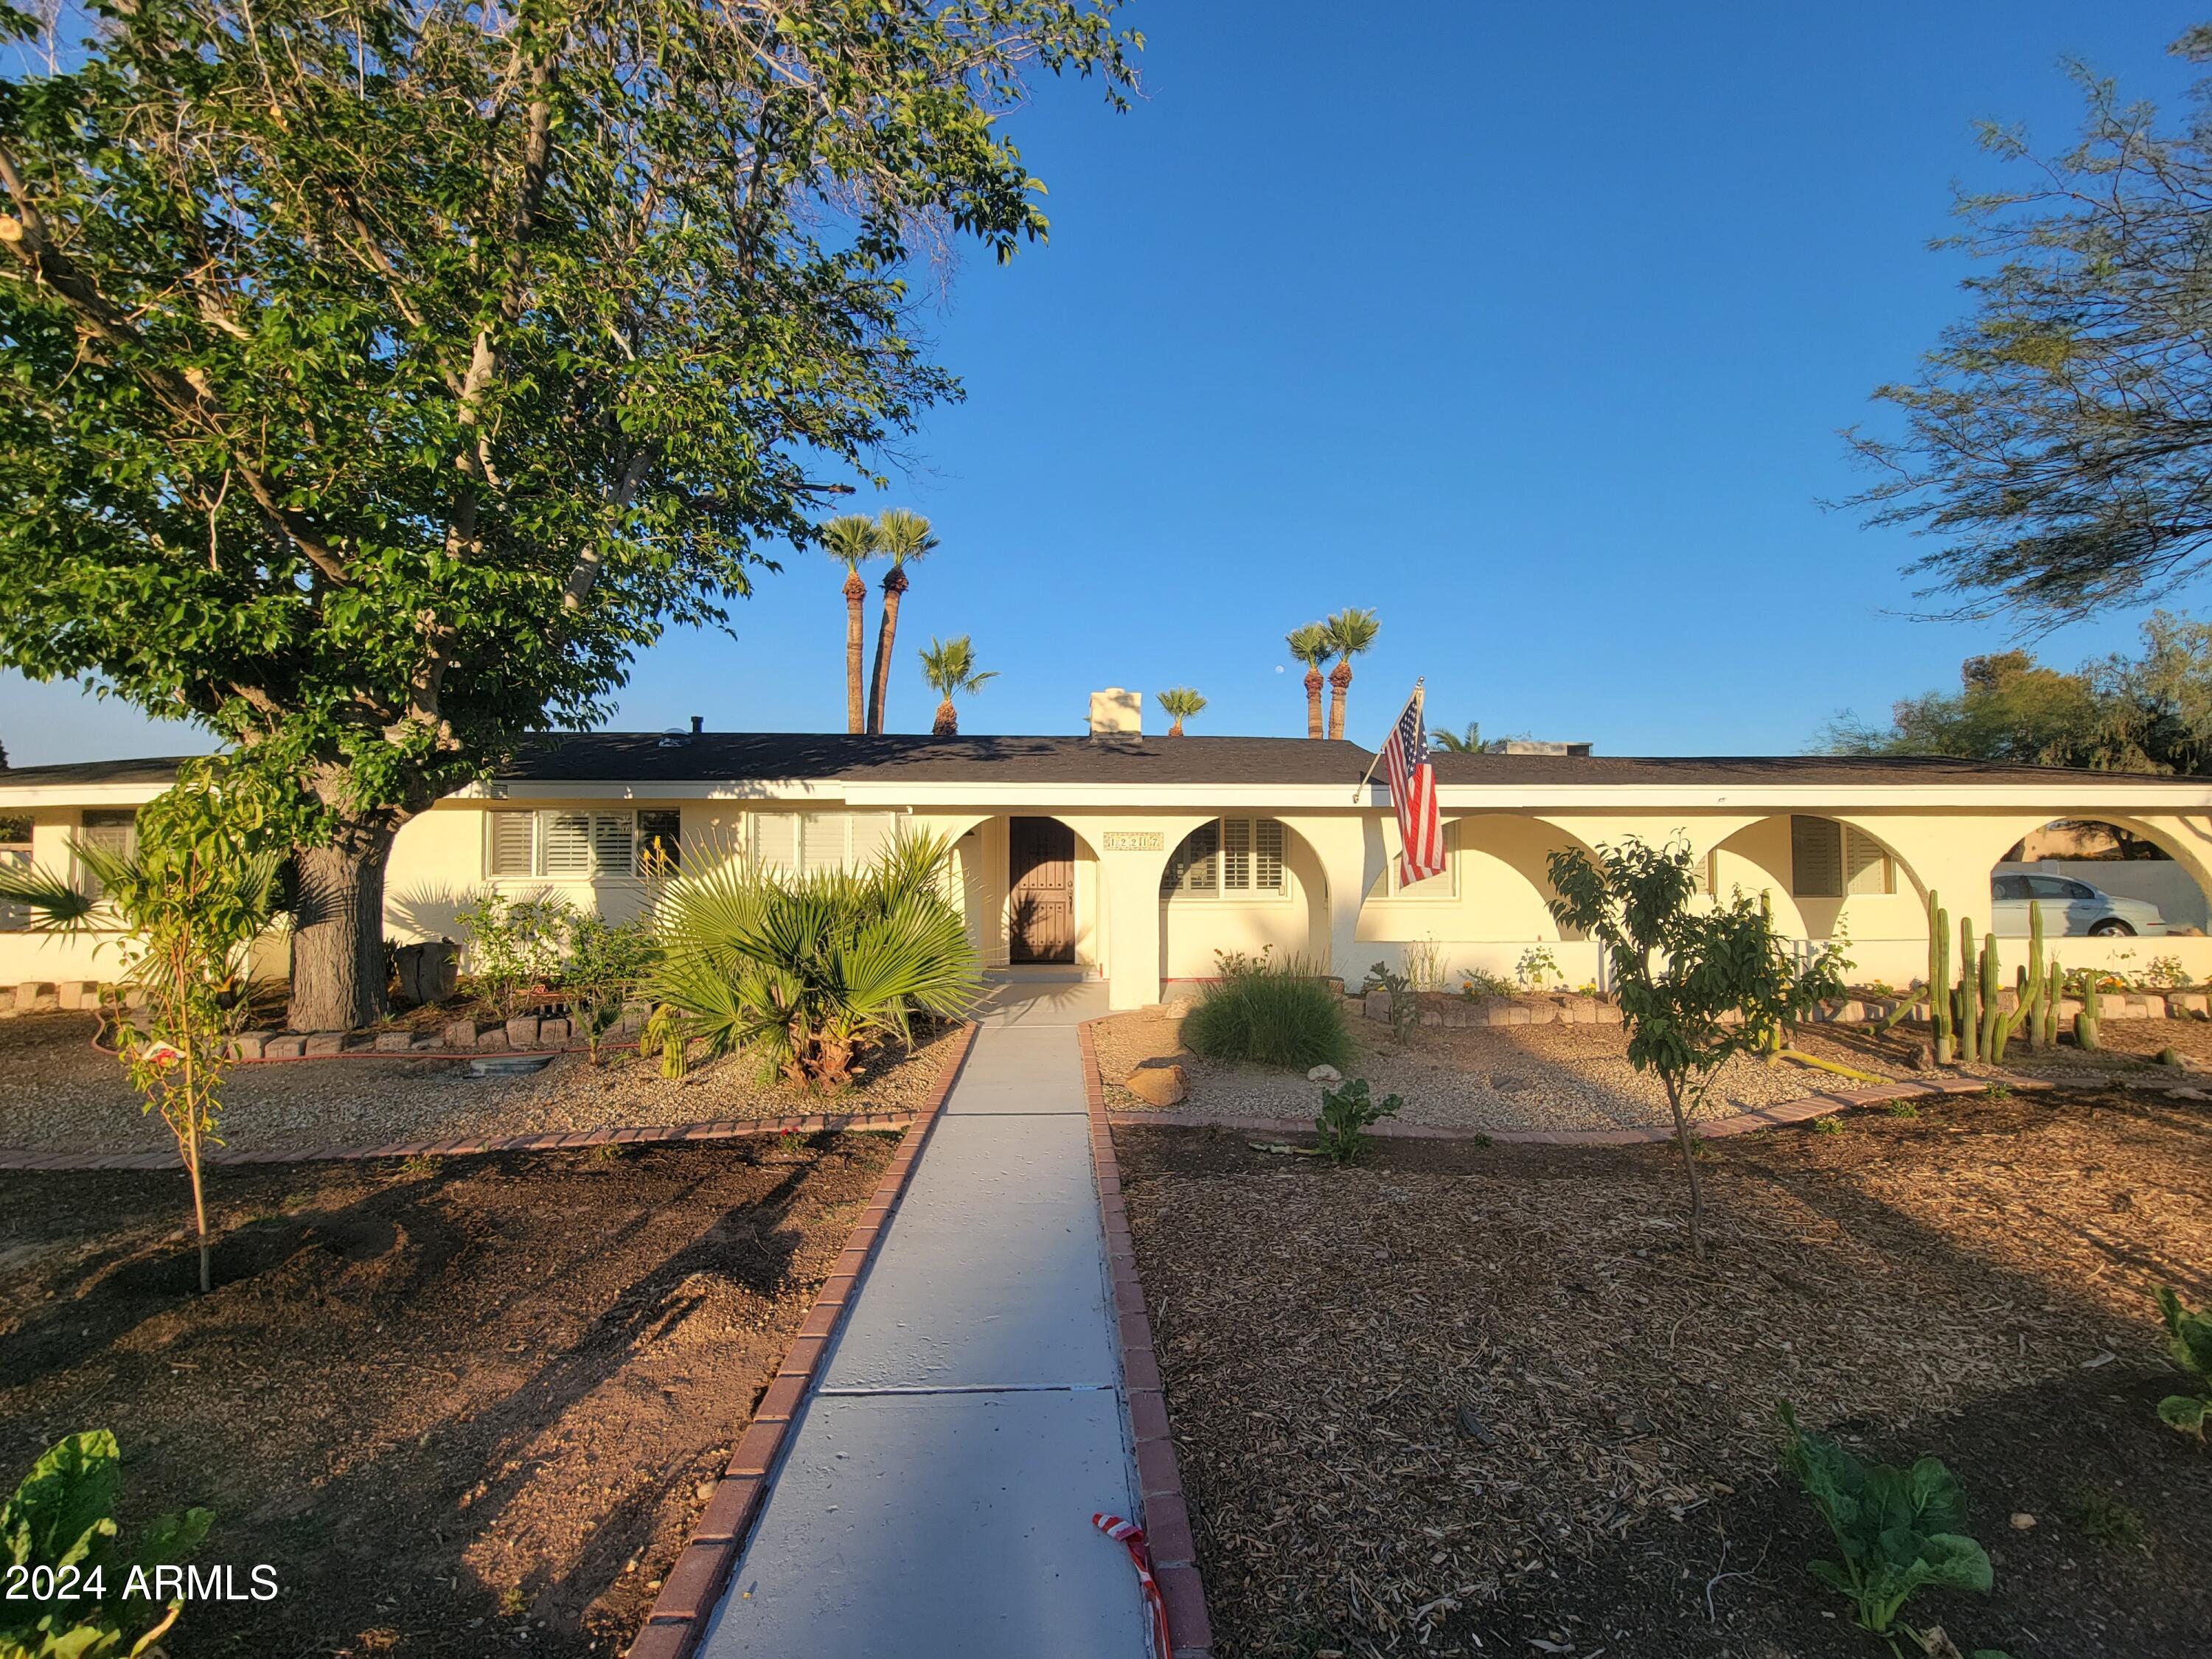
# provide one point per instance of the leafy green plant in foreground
(1346, 1114)
(59, 1528)
(803, 972)
(1899, 1529)
(2189, 1336)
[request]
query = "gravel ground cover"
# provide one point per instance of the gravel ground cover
(1469, 1401)
(59, 1093)
(1498, 1077)
(461, 1407)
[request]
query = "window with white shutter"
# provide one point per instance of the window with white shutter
(775, 840)
(822, 841)
(1239, 857)
(512, 850)
(871, 832)
(1867, 868)
(1816, 858)
(113, 832)
(614, 836)
(564, 845)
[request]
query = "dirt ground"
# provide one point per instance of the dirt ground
(59, 1093)
(462, 1408)
(1497, 1077)
(1465, 1398)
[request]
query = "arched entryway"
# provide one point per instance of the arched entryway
(2098, 877)
(1241, 886)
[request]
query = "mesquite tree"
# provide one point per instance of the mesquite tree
(1698, 980)
(376, 379)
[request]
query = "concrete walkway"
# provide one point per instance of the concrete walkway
(937, 1496)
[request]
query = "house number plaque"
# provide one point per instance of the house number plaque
(1135, 841)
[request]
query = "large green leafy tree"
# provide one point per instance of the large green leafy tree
(374, 380)
(2149, 713)
(2055, 445)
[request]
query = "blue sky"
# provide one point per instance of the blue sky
(1531, 327)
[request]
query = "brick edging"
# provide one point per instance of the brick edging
(694, 1585)
(728, 1128)
(1165, 1516)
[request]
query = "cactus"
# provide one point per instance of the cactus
(1938, 978)
(2054, 986)
(2032, 988)
(2085, 1023)
(1994, 1026)
(1970, 1011)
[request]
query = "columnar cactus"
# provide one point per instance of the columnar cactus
(1970, 1010)
(1995, 1027)
(1938, 979)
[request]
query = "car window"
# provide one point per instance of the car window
(2077, 889)
(2009, 887)
(2051, 887)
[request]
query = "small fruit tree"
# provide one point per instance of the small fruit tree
(200, 888)
(1699, 980)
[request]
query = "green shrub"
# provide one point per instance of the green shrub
(1346, 1114)
(2189, 1338)
(2105, 1518)
(804, 971)
(1278, 1018)
(1481, 982)
(514, 943)
(1899, 1528)
(80, 1595)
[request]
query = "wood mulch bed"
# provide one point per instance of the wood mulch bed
(1464, 1399)
(462, 1407)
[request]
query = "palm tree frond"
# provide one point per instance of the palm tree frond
(851, 539)
(905, 536)
(1352, 631)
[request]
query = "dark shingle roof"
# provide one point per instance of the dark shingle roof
(711, 756)
(161, 769)
(646, 756)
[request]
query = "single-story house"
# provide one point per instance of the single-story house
(1138, 858)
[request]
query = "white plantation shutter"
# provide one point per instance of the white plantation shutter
(566, 844)
(612, 838)
(1267, 849)
(512, 835)
(821, 841)
(1866, 866)
(1816, 858)
(872, 833)
(775, 840)
(1236, 854)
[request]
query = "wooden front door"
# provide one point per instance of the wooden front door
(1039, 890)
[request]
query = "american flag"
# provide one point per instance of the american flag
(1413, 791)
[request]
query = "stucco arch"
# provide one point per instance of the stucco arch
(2187, 844)
(1757, 858)
(1293, 925)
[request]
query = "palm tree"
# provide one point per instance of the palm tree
(905, 536)
(1453, 743)
(1309, 645)
(948, 666)
(1180, 703)
(1350, 633)
(851, 540)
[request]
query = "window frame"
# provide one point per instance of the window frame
(1440, 889)
(847, 819)
(16, 918)
(593, 871)
(1251, 852)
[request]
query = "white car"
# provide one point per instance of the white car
(2069, 907)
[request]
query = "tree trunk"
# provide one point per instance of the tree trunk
(948, 721)
(1690, 1164)
(856, 711)
(1314, 683)
(337, 935)
(895, 583)
(1175, 730)
(1339, 682)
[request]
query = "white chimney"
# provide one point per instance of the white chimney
(1116, 713)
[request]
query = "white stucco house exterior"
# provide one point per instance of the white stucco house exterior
(1136, 858)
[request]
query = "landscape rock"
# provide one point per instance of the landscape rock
(460, 1034)
(1159, 1086)
(1324, 1074)
(325, 1042)
(394, 1043)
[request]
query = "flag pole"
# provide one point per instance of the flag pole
(1359, 792)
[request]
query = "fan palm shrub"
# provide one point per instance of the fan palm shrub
(1180, 703)
(1270, 1014)
(949, 667)
(805, 971)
